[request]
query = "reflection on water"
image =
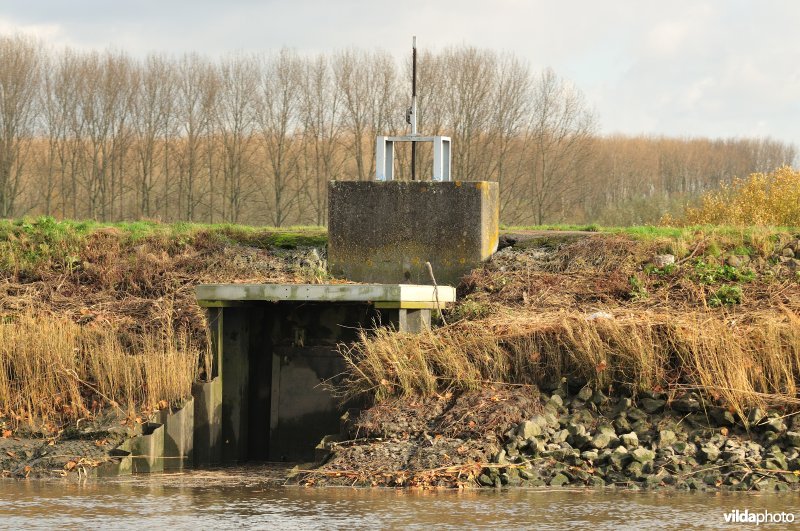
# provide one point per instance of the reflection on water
(241, 498)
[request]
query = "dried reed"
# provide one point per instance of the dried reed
(738, 362)
(52, 369)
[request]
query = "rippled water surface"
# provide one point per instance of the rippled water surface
(240, 498)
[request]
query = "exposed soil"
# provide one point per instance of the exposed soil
(502, 437)
(439, 441)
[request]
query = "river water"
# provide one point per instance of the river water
(244, 499)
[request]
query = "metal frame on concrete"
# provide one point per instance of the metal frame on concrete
(384, 155)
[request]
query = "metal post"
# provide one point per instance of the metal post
(414, 108)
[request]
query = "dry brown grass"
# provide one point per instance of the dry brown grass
(99, 314)
(738, 362)
(527, 319)
(54, 370)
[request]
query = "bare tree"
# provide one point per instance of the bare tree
(510, 109)
(470, 78)
(239, 80)
(557, 144)
(278, 115)
(20, 59)
(105, 99)
(88, 134)
(321, 107)
(368, 84)
(64, 125)
(197, 86)
(153, 95)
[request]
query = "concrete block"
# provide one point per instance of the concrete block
(207, 442)
(120, 463)
(178, 436)
(386, 231)
(383, 295)
(147, 449)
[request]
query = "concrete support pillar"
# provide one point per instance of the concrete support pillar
(215, 322)
(207, 397)
(414, 321)
(147, 450)
(410, 320)
(178, 436)
(234, 372)
(207, 444)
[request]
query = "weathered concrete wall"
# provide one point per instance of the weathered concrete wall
(300, 342)
(386, 231)
(303, 410)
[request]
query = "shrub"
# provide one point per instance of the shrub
(760, 199)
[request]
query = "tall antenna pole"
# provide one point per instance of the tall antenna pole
(414, 108)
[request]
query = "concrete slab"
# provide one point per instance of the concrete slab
(385, 295)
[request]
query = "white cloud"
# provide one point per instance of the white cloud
(46, 32)
(685, 67)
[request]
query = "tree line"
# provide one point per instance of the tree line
(254, 138)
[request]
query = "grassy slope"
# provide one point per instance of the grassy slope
(123, 285)
(94, 314)
(27, 244)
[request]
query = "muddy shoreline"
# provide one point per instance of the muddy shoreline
(503, 437)
(523, 437)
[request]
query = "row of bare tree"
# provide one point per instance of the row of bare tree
(255, 138)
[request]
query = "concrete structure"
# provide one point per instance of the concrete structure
(178, 436)
(147, 450)
(274, 348)
(386, 231)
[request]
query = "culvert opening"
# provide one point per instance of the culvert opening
(277, 362)
(276, 355)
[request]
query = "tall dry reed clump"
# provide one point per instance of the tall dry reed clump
(52, 369)
(760, 199)
(739, 363)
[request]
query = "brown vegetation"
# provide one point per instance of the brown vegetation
(54, 369)
(254, 139)
(760, 199)
(599, 311)
(96, 315)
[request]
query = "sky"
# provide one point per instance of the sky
(717, 68)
